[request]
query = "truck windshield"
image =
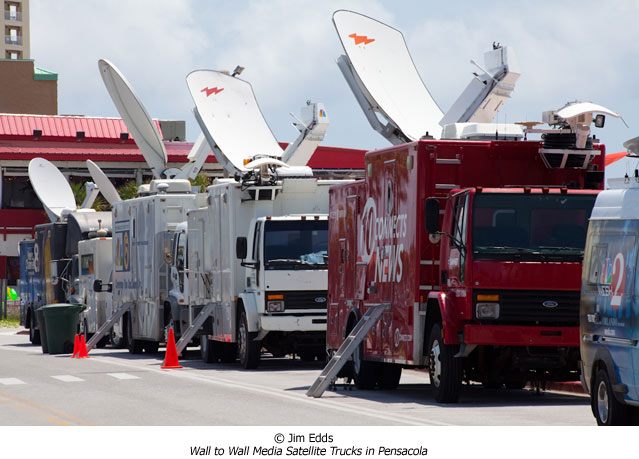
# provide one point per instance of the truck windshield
(296, 244)
(530, 226)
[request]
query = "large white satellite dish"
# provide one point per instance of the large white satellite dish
(227, 107)
(104, 184)
(135, 117)
(381, 61)
(51, 187)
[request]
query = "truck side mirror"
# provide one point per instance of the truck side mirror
(240, 247)
(431, 215)
(600, 121)
(98, 286)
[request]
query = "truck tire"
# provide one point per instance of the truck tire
(444, 369)
(365, 372)
(151, 347)
(248, 349)
(389, 376)
(134, 345)
(607, 409)
(34, 335)
(207, 351)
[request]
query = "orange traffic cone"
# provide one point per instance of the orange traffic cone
(76, 346)
(171, 356)
(83, 354)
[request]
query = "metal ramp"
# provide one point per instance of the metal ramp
(107, 326)
(339, 359)
(188, 334)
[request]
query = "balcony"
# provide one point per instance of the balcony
(12, 40)
(9, 16)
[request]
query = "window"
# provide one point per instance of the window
(86, 265)
(291, 244)
(458, 241)
(13, 55)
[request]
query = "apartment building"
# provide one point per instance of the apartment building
(15, 25)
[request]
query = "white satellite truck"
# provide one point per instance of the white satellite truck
(144, 227)
(257, 253)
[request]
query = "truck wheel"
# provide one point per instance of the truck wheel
(134, 345)
(607, 409)
(117, 342)
(389, 376)
(151, 347)
(207, 350)
(365, 372)
(248, 349)
(34, 335)
(444, 370)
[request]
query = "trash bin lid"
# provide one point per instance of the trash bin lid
(62, 308)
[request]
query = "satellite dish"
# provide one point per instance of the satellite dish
(226, 108)
(51, 187)
(135, 116)
(384, 67)
(580, 108)
(104, 184)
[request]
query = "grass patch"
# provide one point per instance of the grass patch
(10, 322)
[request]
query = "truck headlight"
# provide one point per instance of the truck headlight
(275, 306)
(487, 310)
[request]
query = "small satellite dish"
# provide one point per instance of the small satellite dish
(51, 187)
(581, 108)
(381, 60)
(135, 116)
(104, 184)
(226, 107)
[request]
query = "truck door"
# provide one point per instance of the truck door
(457, 251)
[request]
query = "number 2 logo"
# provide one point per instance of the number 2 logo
(618, 280)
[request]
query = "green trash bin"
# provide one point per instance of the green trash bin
(61, 322)
(43, 330)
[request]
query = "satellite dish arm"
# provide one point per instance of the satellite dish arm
(312, 129)
(92, 193)
(390, 131)
(197, 157)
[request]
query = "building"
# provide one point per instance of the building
(15, 26)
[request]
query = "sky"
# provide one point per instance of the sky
(569, 50)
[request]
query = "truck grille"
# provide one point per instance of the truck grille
(301, 300)
(526, 307)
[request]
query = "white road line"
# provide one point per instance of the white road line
(68, 378)
(11, 381)
(123, 376)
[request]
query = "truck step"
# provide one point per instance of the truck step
(348, 347)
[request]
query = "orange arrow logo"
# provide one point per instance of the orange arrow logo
(210, 91)
(359, 39)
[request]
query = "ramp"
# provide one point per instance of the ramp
(348, 347)
(117, 314)
(189, 333)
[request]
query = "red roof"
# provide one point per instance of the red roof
(61, 127)
(102, 143)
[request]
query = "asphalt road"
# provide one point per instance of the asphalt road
(116, 388)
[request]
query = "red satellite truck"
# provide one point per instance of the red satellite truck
(475, 248)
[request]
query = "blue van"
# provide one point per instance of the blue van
(609, 312)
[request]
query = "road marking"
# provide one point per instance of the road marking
(123, 376)
(67, 378)
(11, 381)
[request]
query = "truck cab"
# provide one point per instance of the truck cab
(285, 261)
(510, 270)
(609, 313)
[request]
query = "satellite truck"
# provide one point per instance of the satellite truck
(51, 263)
(257, 253)
(462, 254)
(150, 281)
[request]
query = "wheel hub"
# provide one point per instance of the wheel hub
(434, 364)
(603, 404)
